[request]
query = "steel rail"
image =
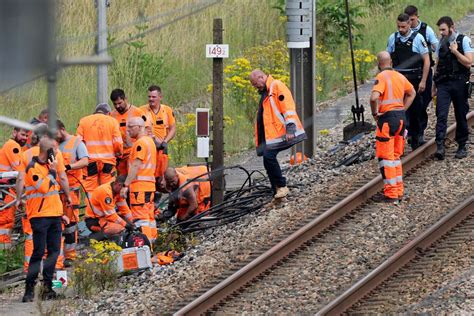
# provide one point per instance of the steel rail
(399, 259)
(282, 249)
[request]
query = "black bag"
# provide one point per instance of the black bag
(130, 239)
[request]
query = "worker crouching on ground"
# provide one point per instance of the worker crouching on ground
(192, 198)
(277, 127)
(45, 211)
(101, 216)
(391, 96)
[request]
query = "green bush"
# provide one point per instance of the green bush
(11, 259)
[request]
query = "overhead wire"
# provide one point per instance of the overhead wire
(119, 27)
(132, 38)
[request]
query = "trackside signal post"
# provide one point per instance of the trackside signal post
(301, 35)
(217, 52)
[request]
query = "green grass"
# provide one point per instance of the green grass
(380, 22)
(247, 24)
(11, 259)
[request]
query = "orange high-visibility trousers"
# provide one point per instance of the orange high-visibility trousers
(106, 227)
(70, 233)
(389, 146)
(142, 208)
(161, 163)
(97, 173)
(7, 221)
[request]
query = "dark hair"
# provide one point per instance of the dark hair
(18, 129)
(60, 124)
(154, 88)
(411, 10)
(44, 112)
(116, 94)
(403, 17)
(445, 20)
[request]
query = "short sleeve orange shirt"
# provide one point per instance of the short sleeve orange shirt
(160, 121)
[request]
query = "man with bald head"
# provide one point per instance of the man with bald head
(277, 127)
(392, 95)
(140, 182)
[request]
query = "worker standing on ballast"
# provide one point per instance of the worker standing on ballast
(391, 96)
(277, 126)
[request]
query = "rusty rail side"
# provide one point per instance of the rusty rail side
(399, 259)
(305, 233)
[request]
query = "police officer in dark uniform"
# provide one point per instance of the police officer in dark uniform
(432, 41)
(409, 53)
(451, 83)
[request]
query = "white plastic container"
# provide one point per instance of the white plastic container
(135, 258)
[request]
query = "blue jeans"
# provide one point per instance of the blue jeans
(46, 235)
(273, 169)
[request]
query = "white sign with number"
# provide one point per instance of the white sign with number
(217, 51)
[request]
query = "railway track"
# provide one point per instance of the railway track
(446, 238)
(245, 288)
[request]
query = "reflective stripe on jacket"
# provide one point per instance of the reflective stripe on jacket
(69, 150)
(104, 204)
(200, 186)
(42, 191)
(279, 111)
(102, 137)
(392, 87)
(144, 149)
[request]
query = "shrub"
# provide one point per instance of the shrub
(272, 58)
(97, 270)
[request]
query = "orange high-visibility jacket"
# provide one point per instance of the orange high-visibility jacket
(69, 151)
(392, 86)
(122, 119)
(42, 191)
(10, 156)
(201, 186)
(104, 203)
(279, 110)
(28, 155)
(101, 134)
(160, 121)
(144, 149)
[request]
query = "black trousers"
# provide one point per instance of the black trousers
(46, 235)
(413, 115)
(426, 95)
(270, 162)
(454, 90)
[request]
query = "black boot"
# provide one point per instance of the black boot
(48, 293)
(440, 152)
(421, 140)
(414, 143)
(29, 293)
(461, 152)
